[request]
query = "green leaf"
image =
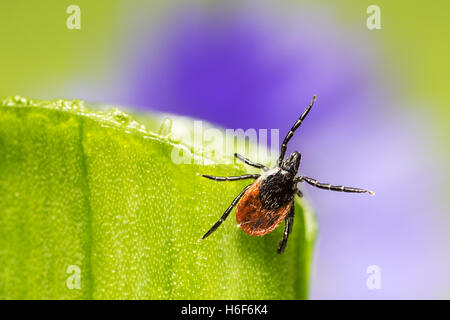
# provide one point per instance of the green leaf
(95, 197)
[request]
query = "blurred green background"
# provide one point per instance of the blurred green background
(37, 46)
(408, 58)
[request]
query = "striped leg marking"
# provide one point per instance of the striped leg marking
(327, 186)
(289, 222)
(226, 213)
(251, 163)
(291, 132)
(245, 176)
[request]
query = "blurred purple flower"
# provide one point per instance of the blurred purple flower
(245, 69)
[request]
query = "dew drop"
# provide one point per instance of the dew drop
(119, 116)
(20, 100)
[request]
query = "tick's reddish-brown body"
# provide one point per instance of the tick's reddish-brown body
(265, 203)
(252, 216)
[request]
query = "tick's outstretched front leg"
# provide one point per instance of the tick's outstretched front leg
(327, 186)
(245, 176)
(291, 132)
(226, 213)
(251, 163)
(289, 222)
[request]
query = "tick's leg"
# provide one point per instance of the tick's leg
(291, 132)
(327, 186)
(245, 176)
(289, 222)
(226, 213)
(250, 163)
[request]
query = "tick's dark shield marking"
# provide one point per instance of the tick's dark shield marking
(253, 217)
(263, 205)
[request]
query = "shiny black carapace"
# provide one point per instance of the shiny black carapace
(264, 204)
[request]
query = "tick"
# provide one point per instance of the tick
(264, 204)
